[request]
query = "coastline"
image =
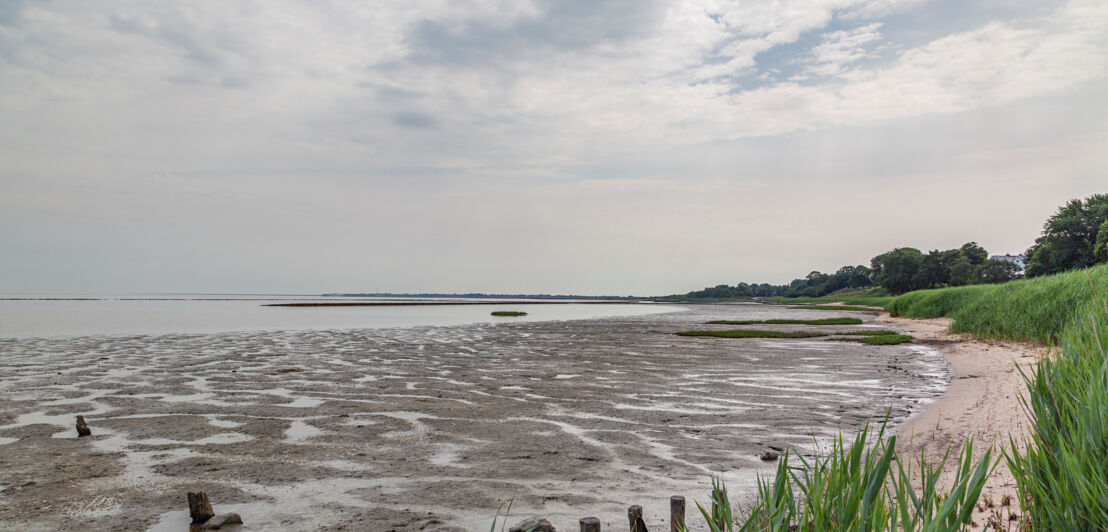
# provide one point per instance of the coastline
(982, 403)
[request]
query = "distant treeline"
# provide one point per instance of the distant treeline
(1074, 237)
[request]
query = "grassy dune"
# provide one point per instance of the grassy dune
(1034, 310)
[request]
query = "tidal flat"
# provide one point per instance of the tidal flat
(428, 428)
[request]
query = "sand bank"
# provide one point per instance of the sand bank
(982, 401)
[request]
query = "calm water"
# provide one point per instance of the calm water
(123, 315)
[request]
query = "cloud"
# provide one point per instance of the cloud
(605, 110)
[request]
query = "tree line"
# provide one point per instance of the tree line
(1076, 236)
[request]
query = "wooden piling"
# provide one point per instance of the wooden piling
(590, 524)
(634, 517)
(200, 509)
(82, 427)
(676, 513)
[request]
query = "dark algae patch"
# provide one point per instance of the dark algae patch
(751, 333)
(825, 321)
(508, 313)
(881, 339)
(879, 332)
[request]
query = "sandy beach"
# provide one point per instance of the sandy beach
(982, 402)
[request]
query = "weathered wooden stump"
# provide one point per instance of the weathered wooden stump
(676, 513)
(590, 524)
(634, 517)
(200, 509)
(82, 427)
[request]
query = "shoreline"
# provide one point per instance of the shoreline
(982, 403)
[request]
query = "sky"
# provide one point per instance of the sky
(585, 147)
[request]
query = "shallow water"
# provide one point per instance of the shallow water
(27, 316)
(426, 428)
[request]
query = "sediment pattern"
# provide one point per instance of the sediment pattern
(425, 428)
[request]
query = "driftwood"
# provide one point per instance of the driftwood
(82, 427)
(200, 509)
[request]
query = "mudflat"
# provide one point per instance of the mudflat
(427, 428)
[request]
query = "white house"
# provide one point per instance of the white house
(1014, 259)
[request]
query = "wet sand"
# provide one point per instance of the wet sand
(426, 428)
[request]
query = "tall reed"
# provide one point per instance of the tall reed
(864, 485)
(1062, 474)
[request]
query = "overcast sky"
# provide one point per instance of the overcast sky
(623, 147)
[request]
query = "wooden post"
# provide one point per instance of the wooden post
(634, 517)
(200, 509)
(590, 524)
(676, 513)
(82, 427)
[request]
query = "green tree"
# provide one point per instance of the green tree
(1069, 237)
(1100, 249)
(962, 272)
(975, 254)
(996, 271)
(932, 270)
(897, 270)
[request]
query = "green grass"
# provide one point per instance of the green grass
(864, 486)
(835, 307)
(876, 339)
(509, 313)
(753, 333)
(1033, 310)
(876, 297)
(826, 321)
(1062, 474)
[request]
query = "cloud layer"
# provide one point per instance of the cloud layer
(522, 133)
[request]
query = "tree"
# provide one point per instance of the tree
(996, 271)
(896, 270)
(974, 253)
(1069, 237)
(932, 270)
(961, 272)
(1100, 249)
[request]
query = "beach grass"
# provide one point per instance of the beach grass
(1034, 310)
(754, 333)
(1062, 474)
(863, 485)
(836, 307)
(508, 313)
(825, 321)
